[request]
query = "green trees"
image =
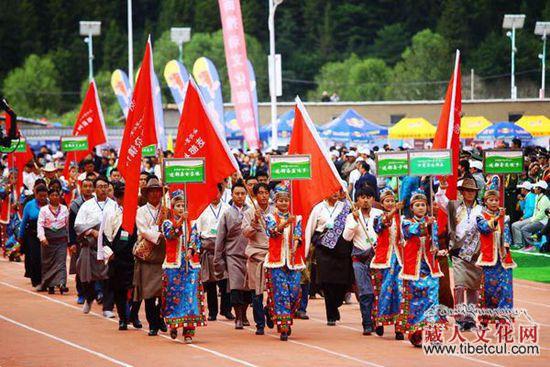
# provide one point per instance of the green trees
(33, 88)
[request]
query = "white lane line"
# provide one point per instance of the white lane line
(533, 303)
(311, 346)
(531, 287)
(406, 342)
(65, 341)
(218, 354)
(531, 253)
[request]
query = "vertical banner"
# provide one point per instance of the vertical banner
(208, 80)
(254, 94)
(235, 56)
(159, 111)
(123, 90)
(177, 78)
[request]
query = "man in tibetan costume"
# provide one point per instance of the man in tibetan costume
(360, 230)
(495, 258)
(284, 262)
(386, 265)
(464, 242)
(229, 254)
(182, 296)
(254, 228)
(420, 269)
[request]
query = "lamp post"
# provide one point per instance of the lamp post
(179, 36)
(88, 29)
(513, 22)
(274, 74)
(542, 29)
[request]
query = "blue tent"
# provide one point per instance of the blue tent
(504, 130)
(351, 126)
(284, 128)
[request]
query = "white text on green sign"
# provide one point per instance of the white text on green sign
(74, 144)
(503, 162)
(392, 164)
(186, 170)
(16, 146)
(430, 163)
(290, 167)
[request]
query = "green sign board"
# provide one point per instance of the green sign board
(184, 170)
(392, 164)
(149, 151)
(290, 167)
(17, 146)
(430, 163)
(74, 143)
(498, 162)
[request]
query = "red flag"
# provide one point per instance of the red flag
(447, 135)
(138, 133)
(89, 122)
(18, 160)
(325, 180)
(199, 138)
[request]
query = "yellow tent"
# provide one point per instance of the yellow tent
(412, 128)
(470, 126)
(535, 125)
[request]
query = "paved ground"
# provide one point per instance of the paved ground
(37, 329)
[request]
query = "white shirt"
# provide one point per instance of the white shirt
(146, 222)
(29, 178)
(91, 212)
(207, 223)
(47, 219)
(322, 217)
(354, 231)
(226, 196)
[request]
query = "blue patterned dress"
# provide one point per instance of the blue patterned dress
(182, 294)
(496, 282)
(388, 288)
(422, 294)
(282, 280)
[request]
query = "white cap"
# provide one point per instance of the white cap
(542, 184)
(359, 159)
(49, 167)
(525, 185)
(351, 153)
(476, 164)
(364, 151)
(335, 153)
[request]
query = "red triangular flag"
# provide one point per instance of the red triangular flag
(325, 180)
(90, 122)
(447, 135)
(199, 138)
(138, 133)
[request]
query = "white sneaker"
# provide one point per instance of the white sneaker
(87, 307)
(347, 299)
(108, 314)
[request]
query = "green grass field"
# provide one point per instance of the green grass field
(532, 267)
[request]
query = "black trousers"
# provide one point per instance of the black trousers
(78, 285)
(240, 298)
(152, 313)
(211, 289)
(334, 298)
(121, 302)
(89, 293)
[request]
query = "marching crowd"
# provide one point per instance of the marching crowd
(386, 240)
